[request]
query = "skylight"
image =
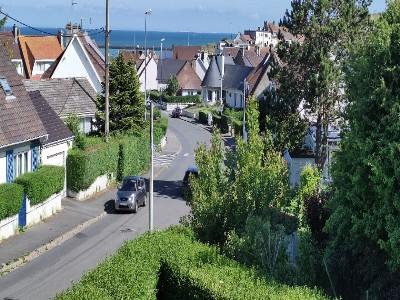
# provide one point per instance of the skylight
(6, 87)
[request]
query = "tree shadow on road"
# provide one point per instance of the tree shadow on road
(168, 189)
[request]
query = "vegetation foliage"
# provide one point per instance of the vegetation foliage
(10, 199)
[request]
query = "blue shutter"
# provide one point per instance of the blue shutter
(22, 213)
(35, 158)
(10, 166)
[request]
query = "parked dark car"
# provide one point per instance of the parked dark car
(131, 194)
(177, 112)
(190, 171)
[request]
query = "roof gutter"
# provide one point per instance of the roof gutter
(25, 141)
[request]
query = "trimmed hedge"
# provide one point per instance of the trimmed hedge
(182, 99)
(172, 265)
(216, 121)
(238, 127)
(40, 185)
(224, 125)
(203, 116)
(10, 199)
(122, 156)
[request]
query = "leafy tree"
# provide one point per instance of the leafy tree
(310, 74)
(172, 86)
(364, 224)
(126, 100)
(3, 22)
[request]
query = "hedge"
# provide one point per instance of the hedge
(182, 99)
(40, 185)
(224, 125)
(216, 120)
(122, 156)
(203, 116)
(172, 265)
(238, 127)
(10, 199)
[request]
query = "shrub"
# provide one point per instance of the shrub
(154, 95)
(238, 127)
(224, 126)
(73, 124)
(216, 121)
(182, 99)
(203, 116)
(40, 185)
(10, 199)
(172, 265)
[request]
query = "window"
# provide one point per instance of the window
(21, 164)
(6, 87)
(26, 162)
(209, 95)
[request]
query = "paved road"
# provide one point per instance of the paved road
(54, 271)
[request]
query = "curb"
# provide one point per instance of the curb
(12, 265)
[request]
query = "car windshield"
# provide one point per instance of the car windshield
(129, 185)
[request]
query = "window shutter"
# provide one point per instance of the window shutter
(35, 158)
(10, 166)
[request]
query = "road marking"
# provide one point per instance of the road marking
(164, 160)
(186, 154)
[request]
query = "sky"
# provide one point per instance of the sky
(167, 15)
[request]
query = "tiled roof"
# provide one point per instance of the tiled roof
(66, 96)
(38, 48)
(185, 52)
(230, 51)
(7, 40)
(95, 55)
(135, 57)
(55, 127)
(18, 119)
(169, 68)
(258, 79)
(188, 79)
(246, 38)
(213, 75)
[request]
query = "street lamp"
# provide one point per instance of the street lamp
(161, 65)
(146, 13)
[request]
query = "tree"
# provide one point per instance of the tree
(73, 124)
(310, 74)
(126, 100)
(364, 225)
(172, 86)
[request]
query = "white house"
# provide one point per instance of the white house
(30, 133)
(261, 37)
(81, 58)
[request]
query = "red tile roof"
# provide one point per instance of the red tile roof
(188, 78)
(185, 52)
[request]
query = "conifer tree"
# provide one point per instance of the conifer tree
(126, 100)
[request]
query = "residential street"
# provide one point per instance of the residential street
(55, 270)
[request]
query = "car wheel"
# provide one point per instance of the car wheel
(135, 208)
(144, 200)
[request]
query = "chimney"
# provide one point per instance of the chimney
(15, 30)
(258, 51)
(60, 36)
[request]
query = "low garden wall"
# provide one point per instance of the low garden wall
(32, 198)
(101, 183)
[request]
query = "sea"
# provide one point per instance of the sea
(124, 39)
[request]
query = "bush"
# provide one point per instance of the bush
(182, 99)
(203, 116)
(224, 126)
(40, 185)
(10, 199)
(216, 121)
(154, 95)
(172, 265)
(238, 127)
(73, 124)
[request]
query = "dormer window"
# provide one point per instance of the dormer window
(6, 88)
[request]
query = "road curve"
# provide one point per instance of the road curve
(55, 270)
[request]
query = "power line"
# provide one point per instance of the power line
(98, 31)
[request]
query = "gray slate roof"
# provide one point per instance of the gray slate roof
(19, 120)
(11, 45)
(169, 68)
(66, 96)
(55, 127)
(233, 77)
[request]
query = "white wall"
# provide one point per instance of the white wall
(3, 167)
(41, 66)
(296, 166)
(19, 66)
(190, 93)
(230, 98)
(55, 155)
(151, 70)
(75, 63)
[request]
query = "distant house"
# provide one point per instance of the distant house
(260, 36)
(187, 53)
(81, 58)
(38, 54)
(9, 40)
(189, 81)
(30, 133)
(138, 59)
(71, 96)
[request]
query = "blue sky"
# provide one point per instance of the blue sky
(168, 15)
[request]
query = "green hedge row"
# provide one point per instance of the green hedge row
(40, 185)
(10, 199)
(203, 116)
(172, 265)
(122, 156)
(182, 99)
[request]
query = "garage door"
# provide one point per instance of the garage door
(56, 159)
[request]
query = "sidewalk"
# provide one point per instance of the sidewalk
(74, 217)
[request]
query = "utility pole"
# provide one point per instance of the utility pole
(161, 65)
(107, 79)
(146, 13)
(151, 204)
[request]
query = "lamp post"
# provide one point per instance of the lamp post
(146, 13)
(161, 65)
